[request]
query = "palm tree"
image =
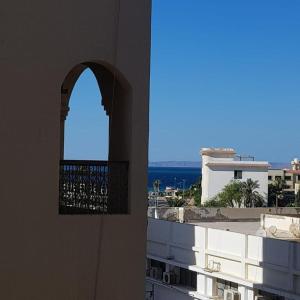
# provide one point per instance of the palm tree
(251, 197)
(275, 191)
(231, 194)
(279, 185)
(156, 184)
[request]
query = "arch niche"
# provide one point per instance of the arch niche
(116, 101)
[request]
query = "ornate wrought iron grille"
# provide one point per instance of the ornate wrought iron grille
(93, 187)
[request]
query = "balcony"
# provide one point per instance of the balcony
(93, 187)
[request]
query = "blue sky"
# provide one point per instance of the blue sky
(86, 127)
(223, 73)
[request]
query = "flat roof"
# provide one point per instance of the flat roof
(245, 227)
(205, 151)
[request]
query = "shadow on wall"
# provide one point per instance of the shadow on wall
(170, 245)
(272, 264)
(172, 241)
(278, 269)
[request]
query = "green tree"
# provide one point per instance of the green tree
(192, 193)
(156, 185)
(197, 198)
(214, 202)
(195, 192)
(176, 202)
(297, 199)
(238, 193)
(275, 191)
(231, 194)
(250, 196)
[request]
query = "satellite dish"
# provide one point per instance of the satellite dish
(261, 232)
(272, 230)
(295, 230)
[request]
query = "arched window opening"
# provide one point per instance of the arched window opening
(87, 124)
(95, 110)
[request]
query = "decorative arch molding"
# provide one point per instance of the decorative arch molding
(116, 100)
(109, 80)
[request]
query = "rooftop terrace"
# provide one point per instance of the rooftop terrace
(266, 222)
(245, 227)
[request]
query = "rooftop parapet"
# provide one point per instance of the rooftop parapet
(280, 226)
(212, 151)
(212, 214)
(263, 222)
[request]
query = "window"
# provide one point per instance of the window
(188, 278)
(277, 177)
(298, 177)
(270, 177)
(288, 177)
(238, 174)
(158, 264)
(156, 269)
(225, 285)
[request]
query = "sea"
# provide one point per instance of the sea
(177, 177)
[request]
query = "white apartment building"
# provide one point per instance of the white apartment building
(231, 260)
(221, 165)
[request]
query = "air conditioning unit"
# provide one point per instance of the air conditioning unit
(231, 295)
(156, 273)
(169, 278)
(213, 266)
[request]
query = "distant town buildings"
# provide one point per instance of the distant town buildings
(290, 176)
(223, 254)
(222, 165)
(160, 198)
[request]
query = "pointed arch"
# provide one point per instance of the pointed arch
(99, 186)
(112, 85)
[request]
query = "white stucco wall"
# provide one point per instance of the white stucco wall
(218, 170)
(253, 262)
(219, 177)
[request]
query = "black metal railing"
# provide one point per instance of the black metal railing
(93, 187)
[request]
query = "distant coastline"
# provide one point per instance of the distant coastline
(197, 164)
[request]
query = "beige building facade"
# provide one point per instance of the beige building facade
(45, 46)
(290, 176)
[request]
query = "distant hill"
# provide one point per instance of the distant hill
(197, 164)
(176, 164)
(278, 165)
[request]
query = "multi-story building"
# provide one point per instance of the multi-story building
(223, 256)
(72, 229)
(291, 176)
(221, 165)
